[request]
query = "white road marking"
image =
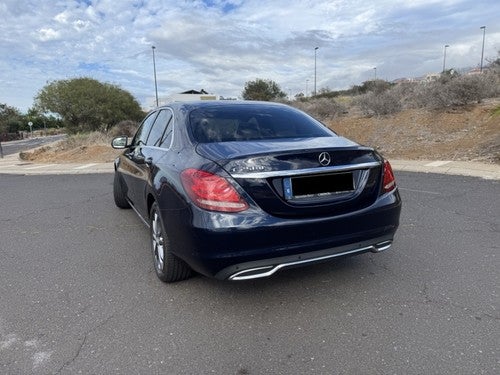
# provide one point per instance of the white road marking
(8, 341)
(438, 163)
(85, 166)
(40, 357)
(40, 166)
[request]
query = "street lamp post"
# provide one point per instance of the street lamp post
(444, 57)
(375, 70)
(154, 70)
(482, 49)
(307, 81)
(315, 50)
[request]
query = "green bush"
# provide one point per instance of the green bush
(85, 104)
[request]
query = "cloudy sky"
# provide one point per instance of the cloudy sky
(218, 45)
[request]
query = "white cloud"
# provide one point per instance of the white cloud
(46, 34)
(62, 17)
(80, 25)
(219, 45)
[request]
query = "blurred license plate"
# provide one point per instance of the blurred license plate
(318, 185)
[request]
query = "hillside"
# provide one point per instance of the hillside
(465, 133)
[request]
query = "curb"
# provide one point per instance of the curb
(10, 164)
(459, 168)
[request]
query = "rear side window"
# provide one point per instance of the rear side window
(159, 130)
(143, 131)
(250, 122)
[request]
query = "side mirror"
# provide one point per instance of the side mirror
(120, 142)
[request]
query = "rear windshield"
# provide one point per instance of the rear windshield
(245, 123)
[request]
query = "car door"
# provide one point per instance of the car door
(143, 154)
(132, 165)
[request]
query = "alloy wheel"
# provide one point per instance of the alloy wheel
(158, 241)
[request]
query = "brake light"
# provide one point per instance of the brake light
(212, 192)
(389, 182)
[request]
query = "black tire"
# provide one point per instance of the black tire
(167, 266)
(118, 194)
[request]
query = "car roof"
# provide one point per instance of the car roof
(220, 103)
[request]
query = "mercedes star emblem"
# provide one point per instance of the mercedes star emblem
(324, 159)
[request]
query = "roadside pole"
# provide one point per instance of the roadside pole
(1, 149)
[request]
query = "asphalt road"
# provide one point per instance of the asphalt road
(14, 147)
(78, 293)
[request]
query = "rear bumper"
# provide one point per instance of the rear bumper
(268, 267)
(223, 246)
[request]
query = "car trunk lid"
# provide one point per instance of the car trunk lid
(301, 177)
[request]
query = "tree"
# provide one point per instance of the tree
(10, 119)
(261, 89)
(85, 104)
(41, 120)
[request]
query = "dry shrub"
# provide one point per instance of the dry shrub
(445, 92)
(385, 103)
(322, 108)
(458, 91)
(85, 139)
(126, 128)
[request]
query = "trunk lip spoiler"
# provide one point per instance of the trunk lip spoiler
(295, 172)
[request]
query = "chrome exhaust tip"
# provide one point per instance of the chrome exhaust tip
(381, 246)
(254, 273)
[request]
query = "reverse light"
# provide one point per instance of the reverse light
(212, 192)
(389, 182)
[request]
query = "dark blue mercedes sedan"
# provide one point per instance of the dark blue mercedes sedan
(240, 190)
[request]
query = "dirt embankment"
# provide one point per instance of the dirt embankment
(466, 133)
(93, 148)
(59, 153)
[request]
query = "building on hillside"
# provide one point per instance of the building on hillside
(188, 96)
(475, 71)
(404, 80)
(431, 77)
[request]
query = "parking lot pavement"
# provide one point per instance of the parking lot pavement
(79, 294)
(11, 164)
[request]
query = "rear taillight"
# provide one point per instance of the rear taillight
(212, 192)
(389, 182)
